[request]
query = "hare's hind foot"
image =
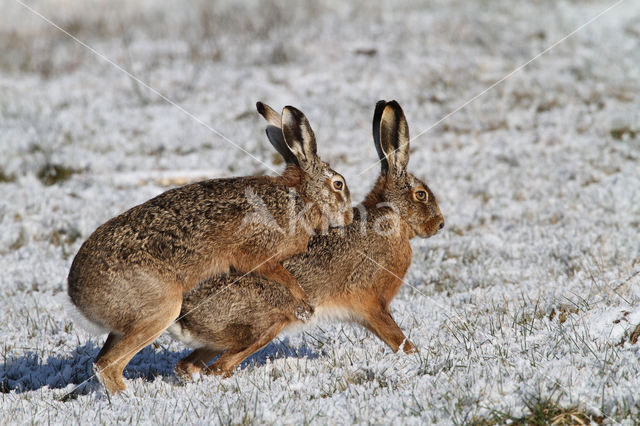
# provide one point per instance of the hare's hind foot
(195, 362)
(110, 378)
(184, 371)
(231, 358)
(215, 371)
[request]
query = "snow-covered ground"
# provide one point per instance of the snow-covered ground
(530, 294)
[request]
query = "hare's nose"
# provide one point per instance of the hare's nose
(441, 224)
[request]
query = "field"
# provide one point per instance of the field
(525, 118)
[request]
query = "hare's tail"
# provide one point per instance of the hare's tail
(79, 317)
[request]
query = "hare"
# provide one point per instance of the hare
(130, 275)
(350, 273)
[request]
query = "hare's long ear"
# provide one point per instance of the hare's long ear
(377, 116)
(298, 136)
(394, 137)
(269, 114)
(274, 132)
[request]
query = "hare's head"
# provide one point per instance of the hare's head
(292, 136)
(409, 196)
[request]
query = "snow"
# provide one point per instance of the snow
(531, 290)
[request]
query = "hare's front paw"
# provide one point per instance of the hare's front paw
(304, 311)
(409, 348)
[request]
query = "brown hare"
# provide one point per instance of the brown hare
(350, 273)
(130, 275)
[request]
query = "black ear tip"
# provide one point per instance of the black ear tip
(292, 113)
(379, 108)
(292, 110)
(260, 107)
(377, 115)
(394, 107)
(394, 104)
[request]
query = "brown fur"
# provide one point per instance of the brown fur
(356, 270)
(130, 275)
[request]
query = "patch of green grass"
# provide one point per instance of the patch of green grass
(541, 412)
(620, 133)
(5, 177)
(20, 241)
(50, 174)
(62, 236)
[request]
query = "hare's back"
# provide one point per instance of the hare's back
(175, 222)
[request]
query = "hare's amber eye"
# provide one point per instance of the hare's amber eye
(338, 185)
(420, 195)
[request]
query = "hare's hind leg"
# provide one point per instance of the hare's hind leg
(229, 360)
(110, 365)
(112, 339)
(195, 361)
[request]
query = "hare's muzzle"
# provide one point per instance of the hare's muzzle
(432, 226)
(340, 218)
(348, 216)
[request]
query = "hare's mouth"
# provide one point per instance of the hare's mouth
(433, 226)
(429, 234)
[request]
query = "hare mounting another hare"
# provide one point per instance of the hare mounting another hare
(130, 275)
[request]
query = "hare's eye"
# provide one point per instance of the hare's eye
(421, 195)
(338, 185)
